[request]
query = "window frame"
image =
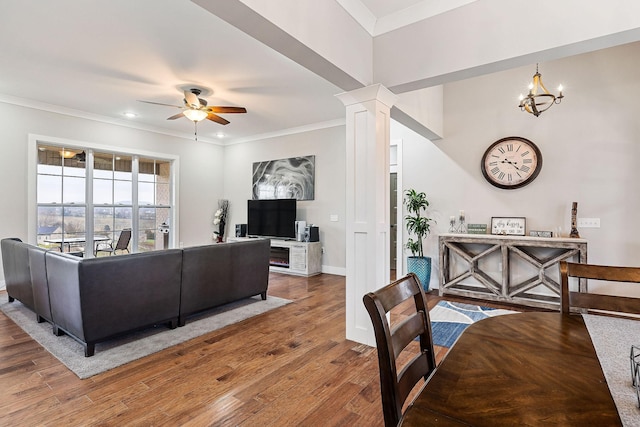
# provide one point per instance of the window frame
(32, 172)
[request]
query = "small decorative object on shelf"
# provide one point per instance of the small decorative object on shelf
(574, 223)
(462, 228)
(452, 224)
(508, 226)
(477, 228)
(535, 233)
(220, 219)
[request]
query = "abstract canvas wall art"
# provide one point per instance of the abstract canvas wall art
(291, 178)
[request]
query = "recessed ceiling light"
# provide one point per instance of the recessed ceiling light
(220, 135)
(130, 115)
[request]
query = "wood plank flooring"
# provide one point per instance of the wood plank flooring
(291, 366)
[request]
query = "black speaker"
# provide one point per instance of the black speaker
(311, 234)
(241, 230)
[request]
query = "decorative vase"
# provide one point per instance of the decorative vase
(421, 267)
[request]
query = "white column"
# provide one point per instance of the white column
(367, 205)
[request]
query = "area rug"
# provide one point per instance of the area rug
(450, 319)
(117, 352)
(612, 338)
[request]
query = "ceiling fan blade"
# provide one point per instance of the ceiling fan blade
(160, 103)
(191, 99)
(226, 110)
(177, 116)
(217, 119)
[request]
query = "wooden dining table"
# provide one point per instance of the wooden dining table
(524, 369)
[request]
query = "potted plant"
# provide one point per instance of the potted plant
(419, 225)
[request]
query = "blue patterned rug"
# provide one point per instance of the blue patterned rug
(450, 319)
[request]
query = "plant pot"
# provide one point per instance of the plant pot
(421, 267)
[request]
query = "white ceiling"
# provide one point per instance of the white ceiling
(98, 58)
(381, 16)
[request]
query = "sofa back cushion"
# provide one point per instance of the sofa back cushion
(17, 276)
(94, 298)
(38, 270)
(216, 274)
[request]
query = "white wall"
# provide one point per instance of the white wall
(328, 145)
(590, 146)
(200, 175)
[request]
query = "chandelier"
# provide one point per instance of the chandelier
(539, 98)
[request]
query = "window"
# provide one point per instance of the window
(87, 196)
(154, 203)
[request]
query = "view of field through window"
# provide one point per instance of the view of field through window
(125, 192)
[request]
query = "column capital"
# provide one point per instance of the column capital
(376, 92)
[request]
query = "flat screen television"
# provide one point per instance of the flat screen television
(272, 218)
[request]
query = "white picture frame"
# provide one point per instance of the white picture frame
(508, 225)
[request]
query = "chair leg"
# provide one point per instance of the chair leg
(11, 299)
(263, 295)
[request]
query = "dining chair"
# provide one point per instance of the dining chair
(594, 301)
(397, 382)
(121, 245)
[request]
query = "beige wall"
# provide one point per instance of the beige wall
(328, 145)
(590, 145)
(200, 177)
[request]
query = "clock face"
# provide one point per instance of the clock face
(511, 162)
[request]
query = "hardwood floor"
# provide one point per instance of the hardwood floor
(290, 366)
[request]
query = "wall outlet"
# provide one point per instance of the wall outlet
(589, 222)
(333, 218)
(323, 249)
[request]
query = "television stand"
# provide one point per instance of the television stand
(292, 257)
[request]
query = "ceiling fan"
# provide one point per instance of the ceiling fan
(196, 109)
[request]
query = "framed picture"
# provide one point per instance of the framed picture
(508, 226)
(291, 178)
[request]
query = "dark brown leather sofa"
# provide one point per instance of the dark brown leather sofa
(17, 273)
(213, 275)
(94, 299)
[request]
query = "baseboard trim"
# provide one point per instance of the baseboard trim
(334, 270)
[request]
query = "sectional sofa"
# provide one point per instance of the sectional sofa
(95, 299)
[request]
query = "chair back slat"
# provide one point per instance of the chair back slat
(391, 340)
(610, 303)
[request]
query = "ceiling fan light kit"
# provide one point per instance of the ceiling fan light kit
(195, 115)
(539, 98)
(197, 109)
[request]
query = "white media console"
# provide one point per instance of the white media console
(292, 257)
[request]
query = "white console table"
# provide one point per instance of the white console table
(516, 269)
(292, 257)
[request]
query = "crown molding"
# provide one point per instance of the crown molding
(51, 108)
(290, 131)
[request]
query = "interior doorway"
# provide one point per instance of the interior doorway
(393, 221)
(395, 205)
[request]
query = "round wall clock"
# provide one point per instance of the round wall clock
(511, 162)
